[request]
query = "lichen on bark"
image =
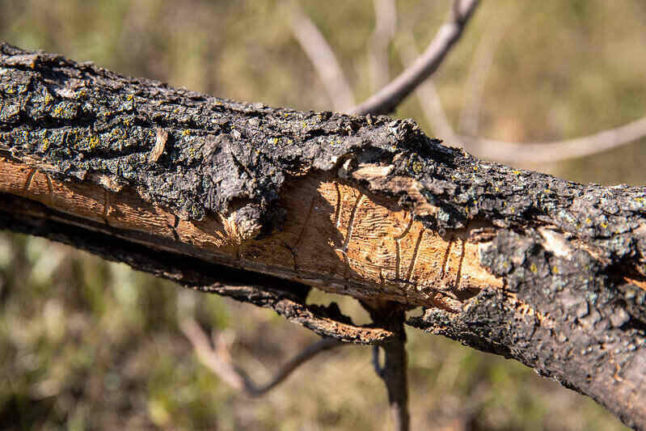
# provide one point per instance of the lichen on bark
(565, 291)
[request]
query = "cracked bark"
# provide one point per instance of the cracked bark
(263, 204)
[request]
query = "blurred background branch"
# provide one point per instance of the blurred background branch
(217, 358)
(555, 151)
(323, 59)
(386, 100)
(382, 36)
(417, 78)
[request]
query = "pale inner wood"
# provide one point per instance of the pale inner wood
(335, 237)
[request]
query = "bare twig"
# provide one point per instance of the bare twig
(385, 27)
(376, 363)
(394, 369)
(387, 99)
(537, 152)
(509, 152)
(394, 376)
(323, 59)
(478, 72)
(218, 359)
(427, 95)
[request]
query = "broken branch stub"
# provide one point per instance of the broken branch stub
(518, 263)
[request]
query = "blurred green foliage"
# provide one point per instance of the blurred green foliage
(86, 344)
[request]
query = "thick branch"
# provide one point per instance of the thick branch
(210, 192)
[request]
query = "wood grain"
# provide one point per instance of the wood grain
(336, 237)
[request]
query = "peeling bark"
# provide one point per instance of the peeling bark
(262, 204)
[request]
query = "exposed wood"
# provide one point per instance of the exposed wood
(335, 237)
(261, 204)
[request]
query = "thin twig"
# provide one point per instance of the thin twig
(395, 378)
(387, 99)
(394, 369)
(385, 27)
(322, 58)
(510, 152)
(218, 359)
(549, 152)
(376, 363)
(427, 95)
(469, 123)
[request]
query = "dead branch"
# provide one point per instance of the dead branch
(427, 95)
(322, 58)
(393, 372)
(509, 152)
(217, 358)
(387, 99)
(263, 204)
(469, 123)
(394, 375)
(385, 27)
(556, 151)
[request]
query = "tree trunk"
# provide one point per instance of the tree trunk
(262, 204)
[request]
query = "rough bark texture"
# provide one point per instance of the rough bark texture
(261, 203)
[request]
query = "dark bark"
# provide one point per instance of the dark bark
(570, 259)
(394, 371)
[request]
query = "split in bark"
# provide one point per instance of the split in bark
(262, 204)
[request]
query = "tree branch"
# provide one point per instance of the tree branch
(509, 152)
(427, 95)
(262, 204)
(218, 359)
(386, 100)
(322, 58)
(385, 27)
(556, 151)
(469, 123)
(395, 377)
(394, 370)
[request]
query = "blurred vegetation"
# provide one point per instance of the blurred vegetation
(86, 344)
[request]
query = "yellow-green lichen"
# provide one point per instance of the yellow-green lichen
(45, 145)
(417, 166)
(94, 142)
